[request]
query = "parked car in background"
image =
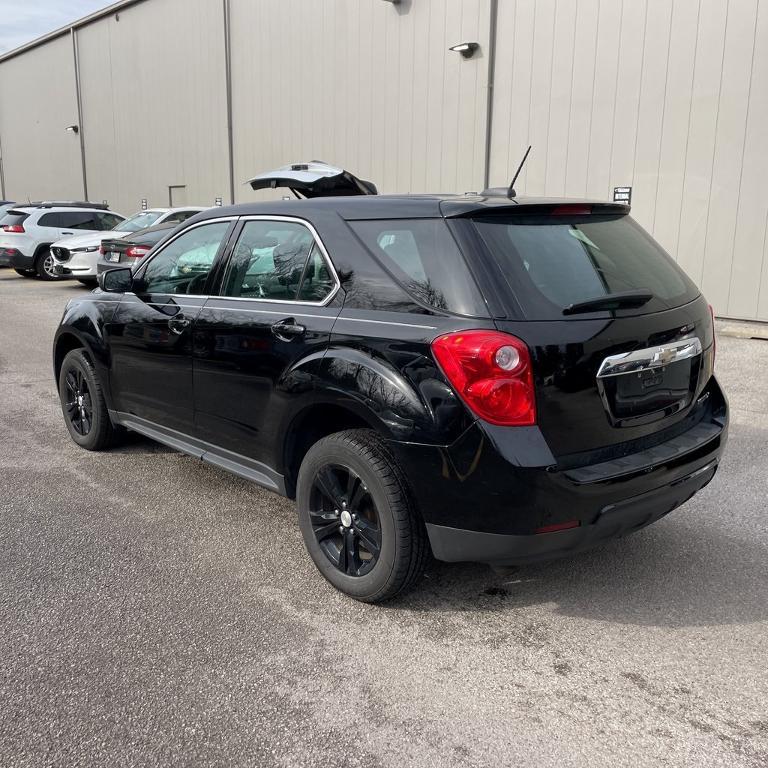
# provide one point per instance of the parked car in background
(76, 257)
(128, 250)
(28, 231)
(500, 380)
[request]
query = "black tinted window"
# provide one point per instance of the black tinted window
(551, 262)
(423, 257)
(87, 220)
(49, 220)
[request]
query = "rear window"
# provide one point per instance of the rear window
(423, 257)
(13, 217)
(139, 221)
(551, 262)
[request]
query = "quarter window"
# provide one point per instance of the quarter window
(423, 257)
(277, 260)
(50, 220)
(183, 266)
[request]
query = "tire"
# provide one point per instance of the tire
(87, 419)
(380, 511)
(88, 282)
(25, 272)
(44, 264)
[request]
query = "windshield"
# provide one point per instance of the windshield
(139, 221)
(551, 262)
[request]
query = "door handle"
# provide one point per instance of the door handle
(67, 233)
(179, 323)
(288, 329)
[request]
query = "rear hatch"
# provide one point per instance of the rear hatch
(621, 339)
(314, 179)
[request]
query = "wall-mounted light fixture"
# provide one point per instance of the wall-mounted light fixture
(467, 50)
(73, 128)
(394, 2)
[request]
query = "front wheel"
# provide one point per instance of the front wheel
(357, 518)
(82, 403)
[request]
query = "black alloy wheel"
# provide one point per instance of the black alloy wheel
(83, 404)
(78, 406)
(344, 520)
(358, 517)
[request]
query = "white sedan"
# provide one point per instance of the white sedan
(76, 257)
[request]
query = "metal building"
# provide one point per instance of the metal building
(181, 100)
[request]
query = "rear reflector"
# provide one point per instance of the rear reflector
(558, 527)
(714, 338)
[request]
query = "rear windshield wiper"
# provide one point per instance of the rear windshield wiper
(623, 300)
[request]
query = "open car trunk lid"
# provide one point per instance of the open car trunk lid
(314, 179)
(603, 377)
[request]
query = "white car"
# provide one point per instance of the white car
(27, 231)
(77, 257)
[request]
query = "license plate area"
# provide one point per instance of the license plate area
(113, 257)
(645, 385)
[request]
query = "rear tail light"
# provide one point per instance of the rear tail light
(714, 338)
(136, 252)
(13, 228)
(491, 371)
(101, 250)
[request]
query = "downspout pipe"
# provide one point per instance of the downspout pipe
(491, 74)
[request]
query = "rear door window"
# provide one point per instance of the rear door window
(550, 262)
(83, 220)
(424, 259)
(278, 260)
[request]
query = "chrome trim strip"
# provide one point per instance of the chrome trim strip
(652, 357)
(341, 318)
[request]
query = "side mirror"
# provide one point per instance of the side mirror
(117, 280)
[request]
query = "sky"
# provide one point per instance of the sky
(24, 20)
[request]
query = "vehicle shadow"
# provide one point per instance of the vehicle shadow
(133, 442)
(674, 574)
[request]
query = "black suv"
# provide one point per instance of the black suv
(489, 379)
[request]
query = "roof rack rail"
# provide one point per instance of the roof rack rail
(65, 204)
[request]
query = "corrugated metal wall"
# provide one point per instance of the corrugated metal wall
(668, 96)
(37, 102)
(362, 84)
(154, 104)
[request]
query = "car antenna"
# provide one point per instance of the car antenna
(511, 190)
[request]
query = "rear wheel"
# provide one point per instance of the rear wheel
(82, 403)
(357, 517)
(45, 267)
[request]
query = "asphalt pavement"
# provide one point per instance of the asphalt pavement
(157, 611)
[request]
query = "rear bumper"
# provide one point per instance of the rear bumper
(613, 521)
(10, 257)
(488, 500)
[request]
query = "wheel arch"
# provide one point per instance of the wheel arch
(66, 341)
(314, 423)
